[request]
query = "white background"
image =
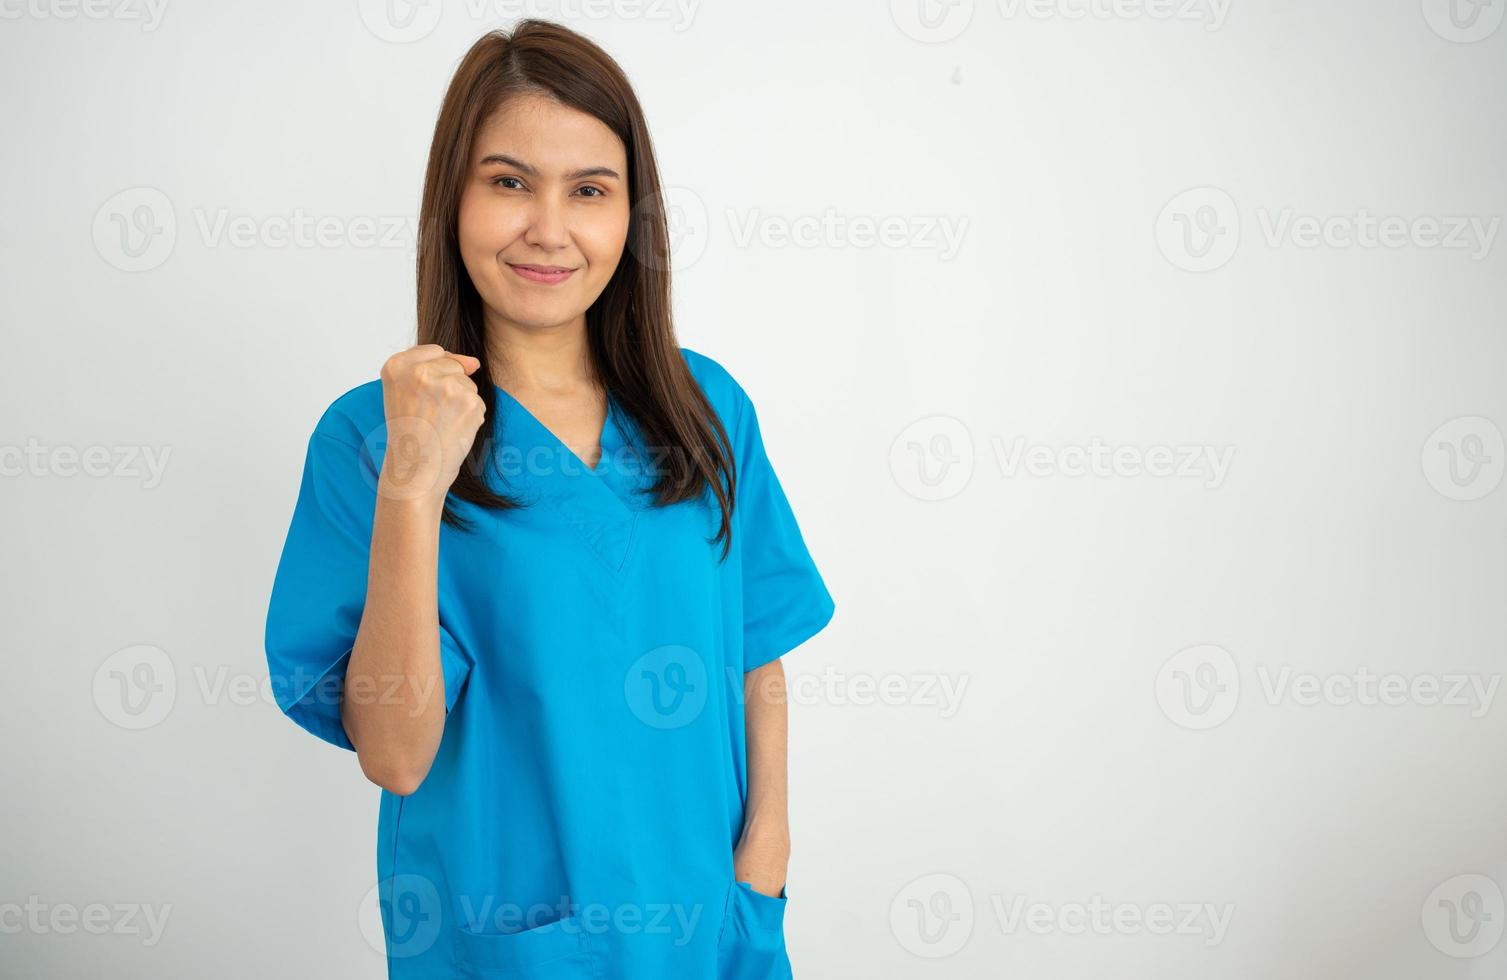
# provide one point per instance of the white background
(1087, 757)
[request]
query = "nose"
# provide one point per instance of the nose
(548, 227)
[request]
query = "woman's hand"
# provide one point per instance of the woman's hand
(762, 859)
(433, 410)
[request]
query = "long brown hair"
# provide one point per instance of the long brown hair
(630, 333)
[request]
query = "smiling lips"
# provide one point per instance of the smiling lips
(547, 274)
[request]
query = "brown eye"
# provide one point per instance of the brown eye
(498, 180)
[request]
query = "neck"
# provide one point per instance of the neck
(522, 357)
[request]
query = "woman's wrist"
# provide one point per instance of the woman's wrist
(761, 859)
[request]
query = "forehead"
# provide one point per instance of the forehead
(550, 136)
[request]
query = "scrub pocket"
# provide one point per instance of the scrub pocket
(559, 950)
(752, 943)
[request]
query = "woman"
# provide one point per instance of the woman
(540, 573)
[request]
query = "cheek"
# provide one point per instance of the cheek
(603, 240)
(484, 226)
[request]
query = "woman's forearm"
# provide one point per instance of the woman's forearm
(764, 849)
(393, 704)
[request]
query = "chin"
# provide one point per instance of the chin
(539, 316)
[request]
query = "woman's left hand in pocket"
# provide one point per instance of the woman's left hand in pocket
(762, 861)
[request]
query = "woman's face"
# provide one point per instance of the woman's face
(547, 190)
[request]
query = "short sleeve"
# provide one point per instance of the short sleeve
(320, 590)
(785, 601)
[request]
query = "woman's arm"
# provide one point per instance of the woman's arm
(393, 703)
(763, 853)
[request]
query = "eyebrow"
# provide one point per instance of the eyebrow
(506, 160)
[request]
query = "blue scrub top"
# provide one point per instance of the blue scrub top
(580, 817)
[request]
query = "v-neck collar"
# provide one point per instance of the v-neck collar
(601, 502)
(607, 435)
